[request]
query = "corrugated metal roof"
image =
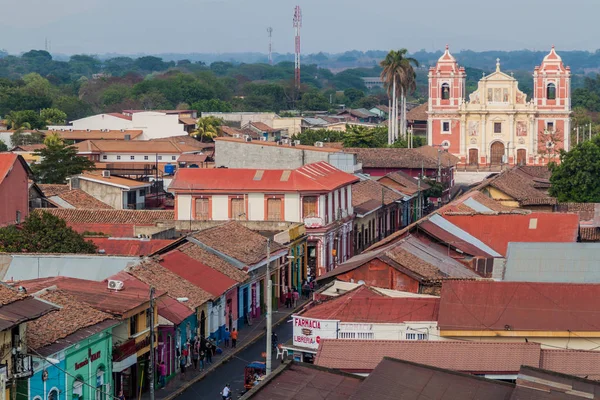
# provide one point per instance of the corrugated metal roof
(91, 267)
(477, 206)
(23, 310)
(461, 234)
(553, 262)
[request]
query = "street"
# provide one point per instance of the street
(232, 372)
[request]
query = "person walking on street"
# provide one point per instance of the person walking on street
(226, 392)
(162, 373)
(182, 363)
(288, 298)
(195, 357)
(121, 395)
(296, 297)
(202, 357)
(234, 336)
(209, 350)
(226, 337)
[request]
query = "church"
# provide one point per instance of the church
(498, 124)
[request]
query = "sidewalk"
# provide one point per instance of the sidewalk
(246, 337)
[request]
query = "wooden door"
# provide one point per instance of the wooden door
(521, 156)
(497, 152)
(473, 157)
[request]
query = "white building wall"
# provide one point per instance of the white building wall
(220, 207)
(139, 157)
(292, 207)
(322, 200)
(157, 125)
(291, 124)
(184, 206)
(100, 121)
(336, 202)
(389, 331)
(330, 207)
(349, 200)
(256, 206)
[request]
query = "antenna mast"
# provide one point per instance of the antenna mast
(270, 31)
(297, 26)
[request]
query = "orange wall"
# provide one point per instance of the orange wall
(379, 274)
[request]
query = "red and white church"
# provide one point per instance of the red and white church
(498, 124)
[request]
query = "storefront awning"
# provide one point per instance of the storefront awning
(119, 366)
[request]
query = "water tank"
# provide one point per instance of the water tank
(169, 169)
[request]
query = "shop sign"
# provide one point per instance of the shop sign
(308, 332)
(91, 358)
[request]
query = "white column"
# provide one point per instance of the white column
(463, 136)
(483, 151)
(567, 134)
(532, 136)
(513, 136)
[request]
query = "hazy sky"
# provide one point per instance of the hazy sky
(185, 26)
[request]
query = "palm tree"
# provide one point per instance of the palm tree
(398, 76)
(207, 128)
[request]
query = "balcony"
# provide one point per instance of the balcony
(22, 367)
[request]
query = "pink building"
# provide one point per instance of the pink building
(14, 189)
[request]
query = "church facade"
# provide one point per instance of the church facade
(498, 124)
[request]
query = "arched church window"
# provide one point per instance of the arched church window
(445, 91)
(551, 91)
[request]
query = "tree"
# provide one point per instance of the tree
(361, 136)
(58, 162)
(399, 78)
(575, 179)
(42, 232)
(353, 95)
(53, 116)
(212, 105)
(310, 136)
(314, 101)
(27, 119)
(20, 138)
(207, 128)
(3, 146)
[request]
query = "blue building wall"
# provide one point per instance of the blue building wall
(40, 389)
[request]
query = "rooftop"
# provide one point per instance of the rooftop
(394, 158)
(71, 134)
(72, 316)
(76, 198)
(134, 146)
(293, 381)
(7, 160)
(488, 306)
(404, 183)
(197, 253)
(373, 191)
(137, 217)
(319, 177)
(274, 144)
(173, 311)
(463, 356)
(128, 246)
(498, 230)
(235, 240)
(117, 181)
(363, 305)
(199, 274)
(152, 273)
(419, 113)
(520, 186)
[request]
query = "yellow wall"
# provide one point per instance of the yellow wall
(500, 197)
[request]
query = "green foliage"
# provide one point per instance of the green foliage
(3, 146)
(58, 162)
(207, 128)
(20, 138)
(361, 136)
(212, 105)
(310, 136)
(53, 116)
(575, 179)
(418, 141)
(26, 119)
(314, 101)
(43, 233)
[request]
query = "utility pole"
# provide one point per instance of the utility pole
(269, 310)
(151, 366)
(270, 32)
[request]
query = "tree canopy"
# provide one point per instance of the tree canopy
(43, 233)
(58, 162)
(575, 179)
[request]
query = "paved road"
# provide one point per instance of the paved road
(232, 372)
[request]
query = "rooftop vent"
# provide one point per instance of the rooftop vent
(106, 173)
(318, 144)
(115, 285)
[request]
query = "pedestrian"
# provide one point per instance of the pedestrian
(195, 357)
(226, 392)
(209, 352)
(226, 337)
(202, 359)
(274, 340)
(288, 298)
(121, 395)
(296, 297)
(182, 363)
(305, 289)
(162, 375)
(234, 335)
(311, 285)
(185, 354)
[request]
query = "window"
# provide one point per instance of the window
(497, 127)
(105, 157)
(100, 383)
(446, 126)
(160, 157)
(309, 206)
(238, 211)
(118, 157)
(357, 335)
(445, 91)
(78, 389)
(147, 312)
(53, 395)
(142, 192)
(145, 157)
(133, 324)
(173, 158)
(416, 336)
(551, 91)
(550, 126)
(18, 217)
(202, 210)
(274, 210)
(132, 157)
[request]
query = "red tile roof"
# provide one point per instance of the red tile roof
(263, 127)
(96, 294)
(404, 183)
(134, 217)
(317, 177)
(129, 247)
(197, 273)
(364, 305)
(520, 306)
(9, 295)
(172, 310)
(370, 189)
(72, 316)
(51, 189)
(215, 262)
(573, 362)
(98, 134)
(463, 356)
(7, 160)
(498, 230)
(79, 200)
